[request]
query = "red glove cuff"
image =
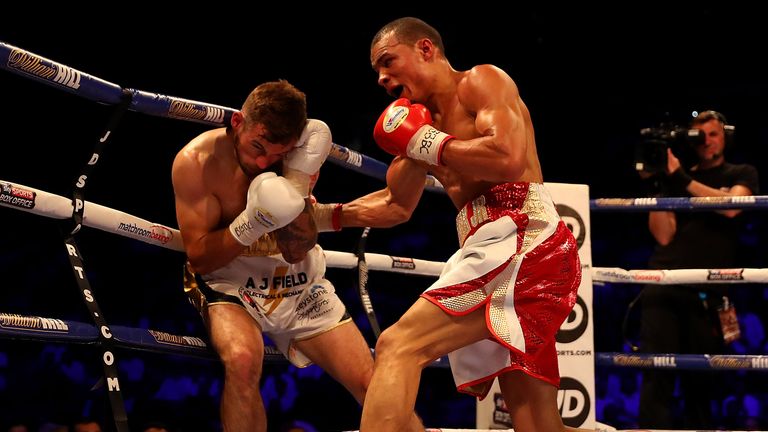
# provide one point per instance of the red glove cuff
(442, 147)
(336, 218)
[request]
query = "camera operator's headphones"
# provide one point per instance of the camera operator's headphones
(728, 130)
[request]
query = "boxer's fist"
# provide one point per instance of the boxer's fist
(272, 203)
(308, 156)
(405, 129)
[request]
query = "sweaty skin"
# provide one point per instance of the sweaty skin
(494, 144)
(211, 176)
(494, 134)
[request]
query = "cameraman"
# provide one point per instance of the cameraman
(683, 319)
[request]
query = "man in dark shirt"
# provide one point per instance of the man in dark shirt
(683, 319)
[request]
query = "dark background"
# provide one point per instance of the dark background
(590, 77)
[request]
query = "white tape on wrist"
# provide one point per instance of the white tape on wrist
(426, 145)
(327, 217)
(298, 179)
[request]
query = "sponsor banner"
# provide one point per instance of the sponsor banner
(725, 274)
(196, 111)
(403, 263)
(17, 196)
(35, 323)
(154, 232)
(172, 339)
(27, 63)
(346, 155)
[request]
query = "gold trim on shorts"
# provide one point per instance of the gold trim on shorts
(197, 294)
(465, 223)
(344, 319)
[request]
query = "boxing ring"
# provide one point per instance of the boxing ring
(76, 211)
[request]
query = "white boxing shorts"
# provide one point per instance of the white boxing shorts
(290, 302)
(519, 262)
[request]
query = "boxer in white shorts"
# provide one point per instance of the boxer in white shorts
(290, 302)
(250, 236)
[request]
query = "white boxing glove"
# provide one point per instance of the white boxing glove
(308, 155)
(272, 203)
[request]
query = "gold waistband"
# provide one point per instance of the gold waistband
(500, 200)
(470, 217)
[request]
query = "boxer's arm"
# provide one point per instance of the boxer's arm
(699, 189)
(302, 167)
(677, 176)
(392, 205)
(298, 237)
(663, 226)
(500, 154)
(198, 213)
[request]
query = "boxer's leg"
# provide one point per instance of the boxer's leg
(238, 340)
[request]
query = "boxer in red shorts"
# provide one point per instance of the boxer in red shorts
(503, 295)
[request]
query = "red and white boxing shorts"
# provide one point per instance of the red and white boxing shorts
(520, 262)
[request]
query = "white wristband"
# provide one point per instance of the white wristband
(427, 145)
(327, 217)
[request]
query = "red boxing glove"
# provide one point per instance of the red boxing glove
(405, 129)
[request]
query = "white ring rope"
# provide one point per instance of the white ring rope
(97, 216)
(386, 263)
(39, 202)
(682, 276)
